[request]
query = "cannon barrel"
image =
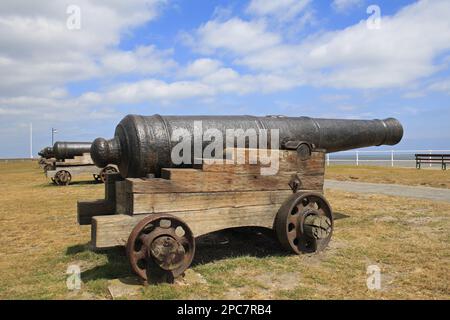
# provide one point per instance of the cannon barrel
(69, 150)
(46, 153)
(142, 145)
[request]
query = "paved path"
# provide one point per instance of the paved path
(391, 189)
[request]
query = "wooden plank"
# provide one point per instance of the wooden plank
(123, 204)
(211, 182)
(172, 202)
(110, 185)
(234, 177)
(288, 162)
(114, 230)
(88, 209)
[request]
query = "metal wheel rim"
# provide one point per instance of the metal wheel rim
(106, 171)
(63, 177)
(138, 253)
(289, 221)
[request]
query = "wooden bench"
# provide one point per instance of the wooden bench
(441, 159)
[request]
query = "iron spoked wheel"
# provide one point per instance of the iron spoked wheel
(62, 178)
(160, 248)
(106, 171)
(304, 223)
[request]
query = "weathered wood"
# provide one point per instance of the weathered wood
(114, 230)
(288, 162)
(85, 159)
(88, 209)
(124, 203)
(74, 170)
(214, 197)
(172, 202)
(110, 185)
(225, 182)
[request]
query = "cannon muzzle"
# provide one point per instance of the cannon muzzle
(46, 153)
(142, 145)
(69, 150)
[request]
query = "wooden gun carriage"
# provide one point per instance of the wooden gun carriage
(157, 219)
(65, 160)
(61, 172)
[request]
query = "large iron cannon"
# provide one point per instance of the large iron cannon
(142, 145)
(74, 159)
(69, 150)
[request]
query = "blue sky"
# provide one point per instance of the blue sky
(291, 57)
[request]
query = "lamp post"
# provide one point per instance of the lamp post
(54, 131)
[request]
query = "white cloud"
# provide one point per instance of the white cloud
(234, 35)
(284, 10)
(39, 52)
(201, 67)
(148, 90)
(402, 51)
(343, 5)
(142, 60)
(440, 86)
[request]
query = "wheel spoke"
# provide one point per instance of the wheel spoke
(162, 249)
(290, 231)
(141, 254)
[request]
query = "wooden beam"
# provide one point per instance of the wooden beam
(114, 230)
(171, 202)
(215, 182)
(88, 209)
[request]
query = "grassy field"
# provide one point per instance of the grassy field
(408, 239)
(409, 176)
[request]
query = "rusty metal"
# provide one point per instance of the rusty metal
(62, 178)
(160, 248)
(142, 144)
(295, 183)
(304, 223)
(69, 150)
(105, 171)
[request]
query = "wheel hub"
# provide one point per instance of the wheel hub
(168, 252)
(317, 227)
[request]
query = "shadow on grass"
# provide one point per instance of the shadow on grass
(50, 184)
(236, 242)
(224, 244)
(340, 215)
(116, 267)
(220, 245)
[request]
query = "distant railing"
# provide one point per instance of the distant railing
(393, 158)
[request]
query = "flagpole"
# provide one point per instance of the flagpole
(31, 140)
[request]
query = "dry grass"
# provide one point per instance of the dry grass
(407, 176)
(408, 239)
